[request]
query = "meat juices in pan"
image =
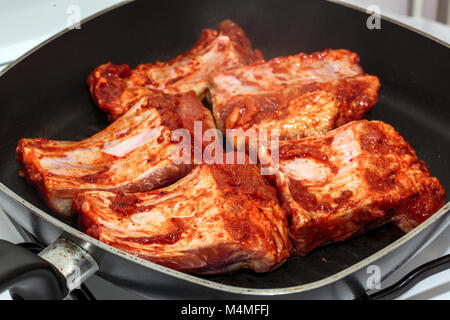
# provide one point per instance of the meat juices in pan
(350, 180)
(300, 95)
(133, 154)
(219, 218)
(115, 88)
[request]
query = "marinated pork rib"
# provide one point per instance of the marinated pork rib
(116, 87)
(301, 95)
(133, 154)
(352, 179)
(219, 218)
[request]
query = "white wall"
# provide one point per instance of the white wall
(429, 7)
(24, 23)
(393, 6)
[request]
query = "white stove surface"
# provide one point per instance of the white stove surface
(26, 23)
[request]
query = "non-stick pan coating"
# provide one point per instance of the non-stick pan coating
(45, 95)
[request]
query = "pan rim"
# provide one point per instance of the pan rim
(192, 278)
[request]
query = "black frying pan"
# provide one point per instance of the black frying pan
(44, 95)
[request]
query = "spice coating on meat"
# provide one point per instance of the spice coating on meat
(300, 95)
(219, 218)
(116, 87)
(133, 154)
(350, 180)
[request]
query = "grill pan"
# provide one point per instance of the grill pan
(44, 95)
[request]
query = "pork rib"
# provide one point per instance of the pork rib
(300, 95)
(352, 179)
(132, 154)
(116, 87)
(219, 218)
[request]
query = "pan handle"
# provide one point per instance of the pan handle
(27, 275)
(411, 279)
(57, 270)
